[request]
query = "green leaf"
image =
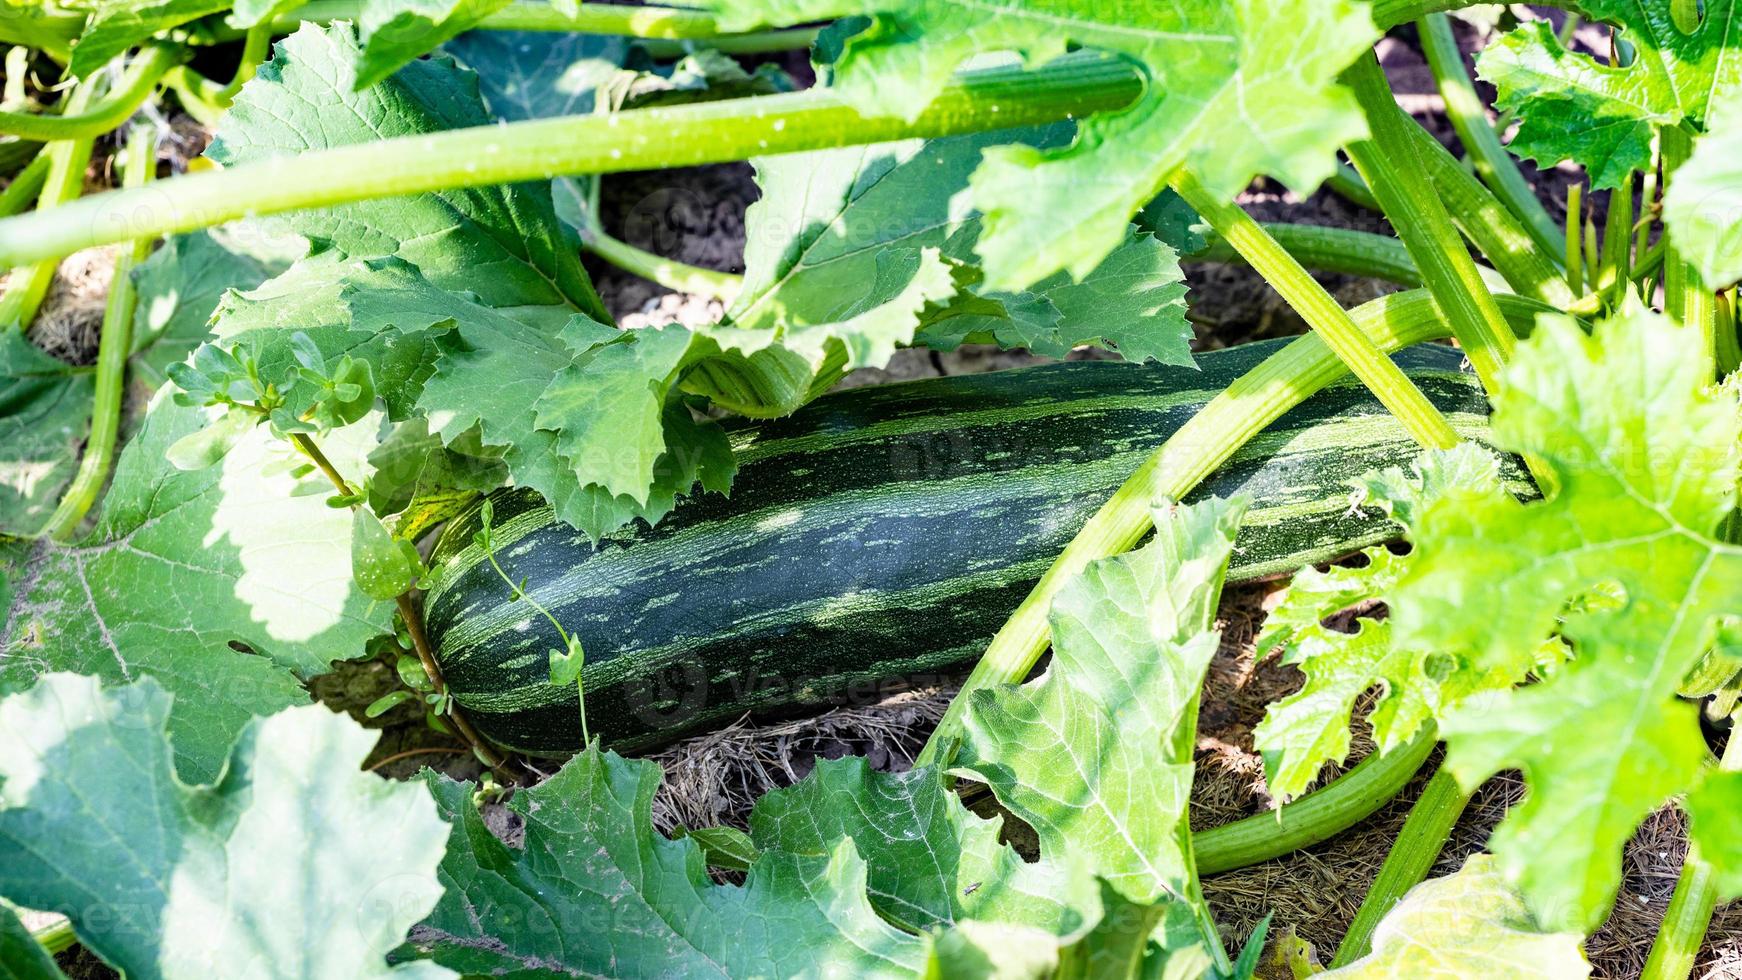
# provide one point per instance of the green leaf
(1304, 730)
(208, 446)
(383, 567)
(1230, 97)
(117, 25)
(502, 242)
(1469, 925)
(397, 31)
(180, 285)
(45, 412)
(995, 950)
(1605, 118)
(590, 855)
(1703, 206)
(185, 570)
(244, 875)
(1622, 560)
(724, 847)
(411, 462)
(930, 863)
(21, 956)
(538, 74)
(826, 222)
(1096, 755)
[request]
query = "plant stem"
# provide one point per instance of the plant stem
(1328, 810)
(1686, 297)
(1469, 118)
(113, 345)
(254, 51)
(83, 121)
(1412, 856)
(1488, 225)
(25, 186)
(1617, 265)
(408, 612)
(1389, 163)
(1690, 907)
(56, 939)
(667, 272)
(1342, 250)
(1575, 254)
(194, 92)
(757, 42)
(1193, 452)
(521, 15)
(63, 181)
(1316, 306)
(1348, 185)
(637, 139)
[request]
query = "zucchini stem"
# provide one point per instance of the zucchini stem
(1690, 907)
(1388, 161)
(85, 120)
(1342, 250)
(1494, 165)
(636, 139)
(1412, 856)
(670, 273)
(61, 183)
(114, 343)
(1686, 297)
(1328, 319)
(1314, 817)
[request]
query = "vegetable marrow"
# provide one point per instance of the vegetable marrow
(878, 536)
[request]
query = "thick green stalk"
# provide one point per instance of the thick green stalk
(522, 15)
(1690, 907)
(1575, 254)
(1348, 185)
(1412, 856)
(638, 139)
(84, 121)
(113, 345)
(757, 42)
(1193, 452)
(1328, 810)
(254, 51)
(25, 187)
(1317, 307)
(56, 939)
(1488, 225)
(1617, 265)
(671, 274)
(1686, 297)
(1389, 163)
(1469, 118)
(1342, 250)
(63, 181)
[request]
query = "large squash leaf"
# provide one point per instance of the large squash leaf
(293, 864)
(1644, 457)
(220, 584)
(1605, 117)
(1230, 96)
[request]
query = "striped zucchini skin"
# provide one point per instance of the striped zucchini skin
(879, 533)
